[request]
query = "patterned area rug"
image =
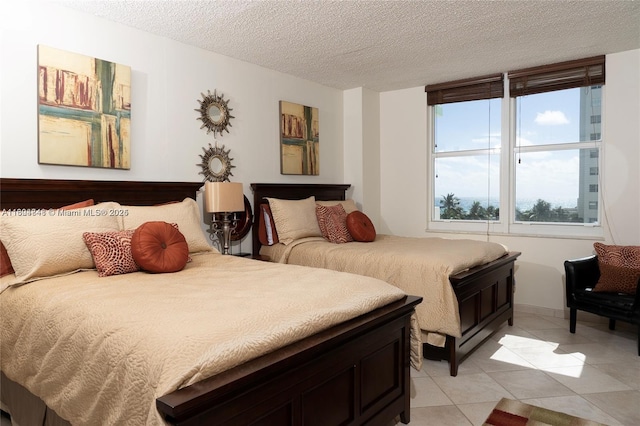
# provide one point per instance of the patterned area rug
(515, 413)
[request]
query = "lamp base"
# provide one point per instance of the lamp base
(222, 229)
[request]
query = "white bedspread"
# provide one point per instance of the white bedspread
(418, 266)
(101, 350)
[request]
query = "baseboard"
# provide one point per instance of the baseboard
(538, 310)
(564, 314)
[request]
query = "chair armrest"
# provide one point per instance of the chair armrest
(581, 273)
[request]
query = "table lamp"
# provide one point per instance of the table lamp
(223, 198)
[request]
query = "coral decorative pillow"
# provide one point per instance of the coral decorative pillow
(360, 227)
(79, 205)
(159, 247)
(5, 262)
(349, 205)
(333, 223)
(617, 279)
(186, 214)
(111, 252)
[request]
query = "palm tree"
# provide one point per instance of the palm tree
(493, 212)
(477, 212)
(450, 207)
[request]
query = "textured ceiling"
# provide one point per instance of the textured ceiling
(386, 45)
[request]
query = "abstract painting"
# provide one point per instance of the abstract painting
(299, 139)
(84, 110)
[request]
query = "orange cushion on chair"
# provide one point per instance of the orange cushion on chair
(360, 227)
(159, 247)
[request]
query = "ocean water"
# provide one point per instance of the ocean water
(522, 204)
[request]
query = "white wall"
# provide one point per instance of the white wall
(362, 151)
(167, 81)
(540, 270)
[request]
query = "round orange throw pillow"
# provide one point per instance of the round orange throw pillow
(159, 247)
(360, 227)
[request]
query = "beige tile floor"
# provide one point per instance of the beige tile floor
(594, 374)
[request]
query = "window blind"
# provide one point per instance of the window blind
(470, 89)
(559, 76)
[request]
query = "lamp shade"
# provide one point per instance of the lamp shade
(223, 197)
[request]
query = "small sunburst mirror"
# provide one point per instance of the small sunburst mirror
(214, 113)
(216, 164)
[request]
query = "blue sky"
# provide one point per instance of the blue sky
(545, 118)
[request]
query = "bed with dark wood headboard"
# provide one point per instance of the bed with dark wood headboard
(354, 373)
(484, 293)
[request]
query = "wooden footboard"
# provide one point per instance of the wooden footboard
(485, 301)
(355, 373)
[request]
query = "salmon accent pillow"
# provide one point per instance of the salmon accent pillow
(159, 247)
(333, 223)
(185, 213)
(349, 205)
(111, 252)
(5, 261)
(360, 227)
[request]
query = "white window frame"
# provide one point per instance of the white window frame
(506, 224)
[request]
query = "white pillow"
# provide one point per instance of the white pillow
(349, 205)
(186, 214)
(268, 226)
(294, 219)
(49, 242)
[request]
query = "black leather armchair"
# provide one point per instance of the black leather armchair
(582, 276)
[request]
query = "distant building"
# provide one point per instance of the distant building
(590, 125)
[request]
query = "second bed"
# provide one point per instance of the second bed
(467, 286)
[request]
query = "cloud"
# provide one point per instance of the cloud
(551, 118)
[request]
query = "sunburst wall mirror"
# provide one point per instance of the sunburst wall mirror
(214, 113)
(216, 164)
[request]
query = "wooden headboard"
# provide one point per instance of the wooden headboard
(51, 193)
(290, 191)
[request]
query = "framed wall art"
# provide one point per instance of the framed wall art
(84, 110)
(299, 139)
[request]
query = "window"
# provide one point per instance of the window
(466, 159)
(525, 161)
